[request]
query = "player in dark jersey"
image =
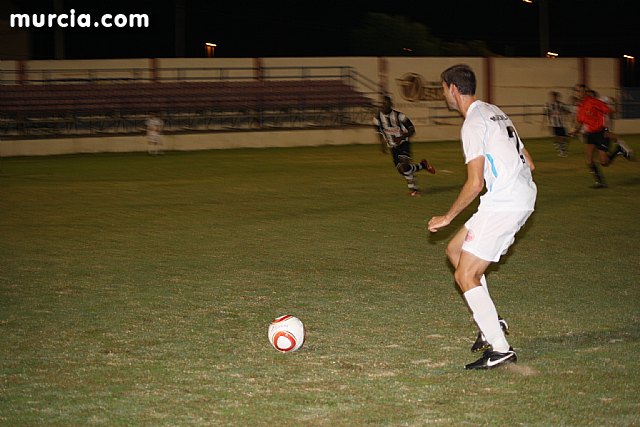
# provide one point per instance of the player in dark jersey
(394, 129)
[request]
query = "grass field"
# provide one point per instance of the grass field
(137, 290)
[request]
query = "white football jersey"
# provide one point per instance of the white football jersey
(487, 131)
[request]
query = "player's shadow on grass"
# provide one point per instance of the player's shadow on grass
(587, 340)
(630, 182)
(426, 190)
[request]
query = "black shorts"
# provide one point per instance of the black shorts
(403, 149)
(599, 139)
(559, 131)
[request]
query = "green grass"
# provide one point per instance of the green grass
(137, 290)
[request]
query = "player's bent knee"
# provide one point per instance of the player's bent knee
(403, 168)
(466, 280)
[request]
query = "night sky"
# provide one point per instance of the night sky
(304, 28)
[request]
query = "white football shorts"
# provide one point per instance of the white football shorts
(490, 234)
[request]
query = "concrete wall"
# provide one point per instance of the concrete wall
(194, 68)
(519, 85)
(188, 142)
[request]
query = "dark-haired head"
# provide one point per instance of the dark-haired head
(462, 76)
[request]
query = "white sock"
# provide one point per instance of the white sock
(486, 317)
(483, 282)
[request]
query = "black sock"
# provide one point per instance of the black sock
(596, 173)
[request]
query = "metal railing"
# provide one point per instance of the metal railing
(175, 74)
(77, 121)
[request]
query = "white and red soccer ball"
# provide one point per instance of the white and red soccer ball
(286, 333)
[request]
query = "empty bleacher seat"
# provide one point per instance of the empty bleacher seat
(20, 103)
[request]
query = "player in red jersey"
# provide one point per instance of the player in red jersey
(592, 116)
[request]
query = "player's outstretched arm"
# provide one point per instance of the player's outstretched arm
(470, 190)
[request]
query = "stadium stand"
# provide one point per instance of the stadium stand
(66, 109)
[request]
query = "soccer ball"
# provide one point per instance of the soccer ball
(286, 333)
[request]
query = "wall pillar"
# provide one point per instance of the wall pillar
(259, 69)
(153, 67)
(584, 71)
(488, 65)
(383, 75)
(21, 76)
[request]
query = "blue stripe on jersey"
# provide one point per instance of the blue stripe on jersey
(493, 168)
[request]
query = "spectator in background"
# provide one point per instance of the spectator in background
(394, 130)
(555, 111)
(154, 135)
(593, 116)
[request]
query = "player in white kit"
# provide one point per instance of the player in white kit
(496, 159)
